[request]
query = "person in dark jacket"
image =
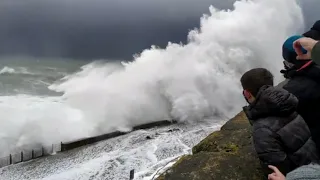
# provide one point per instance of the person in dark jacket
(304, 82)
(280, 135)
(314, 32)
(291, 64)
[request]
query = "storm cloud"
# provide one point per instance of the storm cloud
(112, 29)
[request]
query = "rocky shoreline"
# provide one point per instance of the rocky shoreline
(227, 154)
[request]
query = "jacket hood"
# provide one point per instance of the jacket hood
(316, 26)
(271, 101)
(314, 32)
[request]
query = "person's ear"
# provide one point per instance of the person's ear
(248, 96)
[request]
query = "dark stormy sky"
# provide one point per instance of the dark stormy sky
(113, 29)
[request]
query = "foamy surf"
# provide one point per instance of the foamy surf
(115, 158)
(8, 70)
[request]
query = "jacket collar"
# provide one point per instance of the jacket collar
(271, 101)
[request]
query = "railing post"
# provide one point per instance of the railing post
(21, 156)
(132, 174)
(10, 159)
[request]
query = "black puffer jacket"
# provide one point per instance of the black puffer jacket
(314, 32)
(281, 137)
(305, 85)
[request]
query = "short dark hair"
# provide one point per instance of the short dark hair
(255, 78)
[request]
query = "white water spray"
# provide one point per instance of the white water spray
(187, 82)
(183, 82)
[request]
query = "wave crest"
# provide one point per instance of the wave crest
(18, 70)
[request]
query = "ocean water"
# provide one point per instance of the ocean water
(32, 76)
(113, 159)
(45, 101)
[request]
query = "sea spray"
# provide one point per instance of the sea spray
(183, 82)
(186, 82)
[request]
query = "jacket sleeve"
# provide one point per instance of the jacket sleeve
(315, 53)
(270, 151)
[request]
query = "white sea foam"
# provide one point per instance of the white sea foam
(114, 158)
(8, 70)
(183, 82)
(17, 70)
(29, 120)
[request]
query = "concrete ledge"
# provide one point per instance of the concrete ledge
(227, 154)
(86, 141)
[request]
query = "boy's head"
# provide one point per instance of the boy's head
(288, 52)
(253, 80)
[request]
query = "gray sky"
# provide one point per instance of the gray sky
(311, 10)
(103, 28)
